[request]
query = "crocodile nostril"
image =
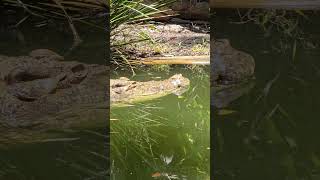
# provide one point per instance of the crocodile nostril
(220, 78)
(26, 99)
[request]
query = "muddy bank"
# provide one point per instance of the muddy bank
(165, 39)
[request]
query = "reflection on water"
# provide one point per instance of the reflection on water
(76, 155)
(165, 138)
(272, 131)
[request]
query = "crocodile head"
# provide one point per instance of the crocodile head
(229, 65)
(232, 73)
(180, 84)
(41, 91)
(124, 91)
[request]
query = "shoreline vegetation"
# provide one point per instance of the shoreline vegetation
(143, 29)
(285, 28)
(159, 30)
(164, 35)
(155, 35)
(85, 12)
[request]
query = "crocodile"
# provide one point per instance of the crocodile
(123, 90)
(41, 85)
(232, 73)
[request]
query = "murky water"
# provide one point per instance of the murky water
(272, 132)
(66, 154)
(165, 138)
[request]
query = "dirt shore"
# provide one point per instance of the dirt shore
(166, 39)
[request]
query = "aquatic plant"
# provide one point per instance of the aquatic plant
(270, 128)
(71, 157)
(133, 133)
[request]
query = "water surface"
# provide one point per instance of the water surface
(273, 133)
(165, 138)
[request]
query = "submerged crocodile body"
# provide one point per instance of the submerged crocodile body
(123, 90)
(232, 73)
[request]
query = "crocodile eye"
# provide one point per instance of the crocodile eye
(22, 76)
(78, 68)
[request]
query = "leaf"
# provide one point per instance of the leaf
(294, 50)
(223, 112)
(315, 160)
(291, 142)
(156, 174)
(302, 14)
(166, 159)
(220, 140)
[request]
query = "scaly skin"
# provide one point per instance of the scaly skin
(229, 65)
(33, 89)
(125, 91)
(232, 73)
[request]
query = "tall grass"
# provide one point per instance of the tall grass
(120, 12)
(125, 12)
(131, 11)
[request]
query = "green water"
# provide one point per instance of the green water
(173, 128)
(275, 137)
(66, 153)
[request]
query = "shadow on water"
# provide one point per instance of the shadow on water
(66, 152)
(272, 131)
(164, 138)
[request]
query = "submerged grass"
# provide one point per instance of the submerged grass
(269, 127)
(152, 140)
(134, 132)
